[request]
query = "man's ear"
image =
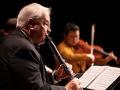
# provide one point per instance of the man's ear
(30, 24)
(31, 21)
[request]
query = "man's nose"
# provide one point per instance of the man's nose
(49, 30)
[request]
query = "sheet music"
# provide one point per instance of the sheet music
(91, 74)
(99, 77)
(105, 79)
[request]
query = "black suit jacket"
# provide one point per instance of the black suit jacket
(21, 66)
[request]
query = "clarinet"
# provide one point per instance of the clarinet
(58, 56)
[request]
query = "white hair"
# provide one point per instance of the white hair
(31, 11)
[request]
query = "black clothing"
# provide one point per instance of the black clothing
(21, 66)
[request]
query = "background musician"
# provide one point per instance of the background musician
(77, 51)
(67, 50)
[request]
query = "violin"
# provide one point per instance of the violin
(99, 53)
(96, 50)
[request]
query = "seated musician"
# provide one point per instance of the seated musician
(21, 65)
(67, 50)
(76, 51)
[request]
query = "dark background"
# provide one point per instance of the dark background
(104, 14)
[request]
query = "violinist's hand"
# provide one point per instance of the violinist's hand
(111, 56)
(74, 85)
(91, 57)
(60, 73)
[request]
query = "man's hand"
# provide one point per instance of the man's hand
(111, 56)
(60, 73)
(91, 57)
(74, 85)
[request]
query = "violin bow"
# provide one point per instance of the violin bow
(92, 40)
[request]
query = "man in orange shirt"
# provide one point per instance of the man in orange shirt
(79, 57)
(66, 48)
